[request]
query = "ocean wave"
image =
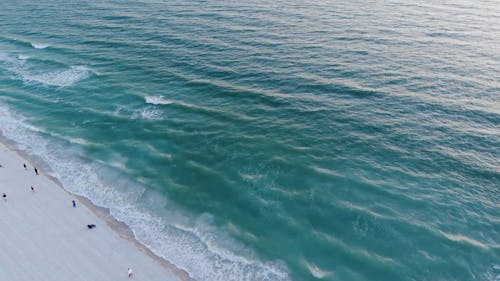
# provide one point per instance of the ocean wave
(160, 100)
(39, 45)
(157, 100)
(464, 239)
(325, 171)
(31, 72)
(316, 271)
(61, 78)
(23, 42)
(191, 243)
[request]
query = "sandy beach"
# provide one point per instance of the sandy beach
(43, 237)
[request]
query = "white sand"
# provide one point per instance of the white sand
(42, 237)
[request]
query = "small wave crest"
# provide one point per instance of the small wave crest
(464, 239)
(316, 271)
(157, 100)
(39, 45)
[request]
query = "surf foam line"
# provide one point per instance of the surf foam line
(30, 72)
(60, 78)
(192, 244)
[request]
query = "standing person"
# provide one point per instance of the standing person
(36, 171)
(74, 203)
(130, 273)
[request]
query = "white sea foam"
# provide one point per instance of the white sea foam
(8, 60)
(31, 73)
(157, 100)
(193, 244)
(60, 78)
(147, 113)
(39, 45)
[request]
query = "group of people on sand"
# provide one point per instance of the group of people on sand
(26, 168)
(73, 202)
(4, 196)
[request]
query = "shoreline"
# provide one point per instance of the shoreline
(125, 232)
(102, 213)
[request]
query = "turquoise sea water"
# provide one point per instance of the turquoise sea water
(270, 140)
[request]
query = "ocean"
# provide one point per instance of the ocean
(270, 140)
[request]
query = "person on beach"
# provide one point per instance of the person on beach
(36, 171)
(74, 203)
(130, 273)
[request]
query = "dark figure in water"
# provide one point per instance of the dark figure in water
(32, 189)
(36, 171)
(4, 196)
(90, 226)
(24, 165)
(74, 203)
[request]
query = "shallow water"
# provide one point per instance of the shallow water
(270, 140)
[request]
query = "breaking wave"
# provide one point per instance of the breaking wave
(157, 100)
(39, 45)
(192, 243)
(42, 72)
(60, 78)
